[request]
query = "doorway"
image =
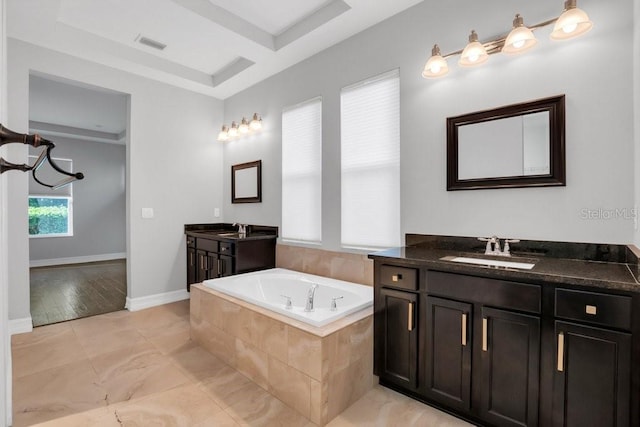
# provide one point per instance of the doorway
(77, 234)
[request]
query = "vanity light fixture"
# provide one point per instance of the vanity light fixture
(573, 22)
(245, 127)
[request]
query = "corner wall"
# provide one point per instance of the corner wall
(173, 166)
(594, 71)
(636, 114)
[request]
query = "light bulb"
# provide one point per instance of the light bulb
(244, 126)
(224, 134)
(474, 53)
(518, 44)
(436, 66)
(570, 28)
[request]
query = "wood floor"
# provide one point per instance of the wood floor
(67, 292)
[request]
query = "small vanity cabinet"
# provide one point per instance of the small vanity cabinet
(215, 250)
(592, 376)
(397, 325)
(505, 348)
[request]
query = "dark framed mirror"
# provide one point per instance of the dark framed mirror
(519, 145)
(246, 182)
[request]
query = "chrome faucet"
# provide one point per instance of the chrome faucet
(493, 246)
(242, 229)
(310, 296)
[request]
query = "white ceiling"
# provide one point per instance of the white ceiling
(214, 47)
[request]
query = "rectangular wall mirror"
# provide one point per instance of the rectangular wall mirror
(246, 182)
(520, 145)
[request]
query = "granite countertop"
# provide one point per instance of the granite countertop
(621, 275)
(228, 232)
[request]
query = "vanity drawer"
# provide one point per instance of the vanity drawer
(226, 248)
(399, 277)
(207, 245)
(592, 307)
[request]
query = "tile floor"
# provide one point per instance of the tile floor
(142, 369)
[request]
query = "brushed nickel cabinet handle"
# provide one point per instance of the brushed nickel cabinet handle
(464, 329)
(410, 317)
(485, 345)
(561, 352)
(591, 309)
(201, 262)
(191, 259)
(219, 269)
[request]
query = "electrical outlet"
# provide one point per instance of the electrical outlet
(216, 212)
(147, 213)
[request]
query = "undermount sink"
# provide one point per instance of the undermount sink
(490, 262)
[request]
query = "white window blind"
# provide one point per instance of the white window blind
(370, 162)
(302, 172)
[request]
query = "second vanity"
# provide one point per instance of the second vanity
(219, 250)
(555, 344)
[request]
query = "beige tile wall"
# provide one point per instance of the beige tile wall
(337, 265)
(317, 375)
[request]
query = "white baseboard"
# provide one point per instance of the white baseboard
(76, 260)
(20, 326)
(135, 304)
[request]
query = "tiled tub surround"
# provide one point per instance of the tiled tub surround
(355, 268)
(318, 372)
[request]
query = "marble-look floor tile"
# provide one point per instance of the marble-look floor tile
(95, 325)
(135, 372)
(172, 342)
(259, 408)
(101, 417)
(49, 351)
(228, 387)
(197, 363)
(110, 340)
(382, 407)
(56, 392)
(184, 406)
(39, 335)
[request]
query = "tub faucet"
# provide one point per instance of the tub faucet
(310, 296)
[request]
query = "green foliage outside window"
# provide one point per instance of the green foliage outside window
(48, 216)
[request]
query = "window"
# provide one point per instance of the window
(50, 211)
(50, 216)
(302, 172)
(370, 162)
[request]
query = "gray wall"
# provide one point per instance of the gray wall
(594, 71)
(99, 215)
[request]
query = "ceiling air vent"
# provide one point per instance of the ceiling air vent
(149, 42)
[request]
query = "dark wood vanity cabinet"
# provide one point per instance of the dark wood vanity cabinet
(396, 359)
(592, 372)
(210, 256)
(483, 344)
(505, 353)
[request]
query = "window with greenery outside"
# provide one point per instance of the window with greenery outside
(49, 216)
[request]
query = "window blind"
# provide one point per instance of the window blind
(302, 172)
(370, 162)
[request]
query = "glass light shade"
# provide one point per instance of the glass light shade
(223, 135)
(474, 53)
(256, 122)
(520, 39)
(233, 131)
(572, 23)
(436, 66)
(244, 126)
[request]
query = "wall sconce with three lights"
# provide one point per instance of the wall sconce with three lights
(245, 127)
(571, 23)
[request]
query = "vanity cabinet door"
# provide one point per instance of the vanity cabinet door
(225, 266)
(192, 268)
(591, 381)
(399, 347)
(448, 352)
(510, 361)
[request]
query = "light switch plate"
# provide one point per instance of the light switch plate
(216, 212)
(147, 213)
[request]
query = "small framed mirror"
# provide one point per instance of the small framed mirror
(520, 145)
(246, 182)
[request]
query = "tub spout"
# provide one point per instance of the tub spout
(310, 296)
